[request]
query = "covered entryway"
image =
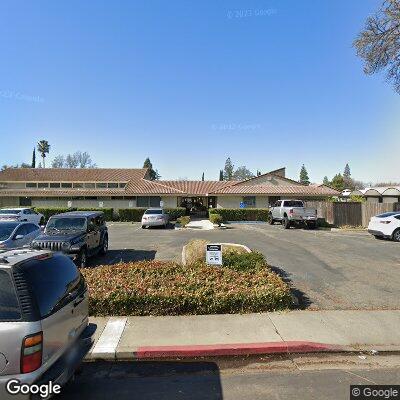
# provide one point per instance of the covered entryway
(197, 206)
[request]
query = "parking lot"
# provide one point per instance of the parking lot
(328, 270)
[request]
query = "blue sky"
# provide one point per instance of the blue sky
(268, 83)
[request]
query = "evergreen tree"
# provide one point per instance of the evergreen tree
(304, 176)
(338, 182)
(228, 170)
(202, 177)
(154, 175)
(347, 172)
(326, 181)
(221, 175)
(33, 165)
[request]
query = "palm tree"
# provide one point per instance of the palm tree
(43, 148)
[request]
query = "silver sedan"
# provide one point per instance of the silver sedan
(15, 234)
(155, 217)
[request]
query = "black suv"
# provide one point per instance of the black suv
(79, 234)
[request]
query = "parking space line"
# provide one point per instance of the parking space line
(110, 337)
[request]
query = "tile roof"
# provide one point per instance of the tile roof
(72, 174)
(200, 188)
(63, 192)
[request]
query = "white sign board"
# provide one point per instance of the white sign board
(130, 204)
(161, 204)
(214, 254)
(101, 204)
(69, 204)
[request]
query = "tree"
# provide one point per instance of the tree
(221, 175)
(43, 148)
(34, 158)
(58, 162)
(71, 161)
(347, 172)
(379, 43)
(338, 182)
(326, 181)
(228, 170)
(242, 173)
(25, 165)
(304, 176)
(154, 175)
(202, 177)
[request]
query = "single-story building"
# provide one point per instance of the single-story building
(389, 194)
(125, 188)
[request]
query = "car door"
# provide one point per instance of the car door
(276, 210)
(32, 232)
(61, 296)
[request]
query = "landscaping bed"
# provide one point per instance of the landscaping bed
(168, 288)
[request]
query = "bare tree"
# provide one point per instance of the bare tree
(379, 43)
(58, 162)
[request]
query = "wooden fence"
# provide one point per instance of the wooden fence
(350, 213)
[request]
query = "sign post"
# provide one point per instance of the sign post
(214, 254)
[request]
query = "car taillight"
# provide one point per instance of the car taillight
(31, 354)
(291, 211)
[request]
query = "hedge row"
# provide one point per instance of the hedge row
(135, 214)
(241, 214)
(166, 288)
(124, 214)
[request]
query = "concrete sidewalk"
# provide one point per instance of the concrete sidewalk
(219, 335)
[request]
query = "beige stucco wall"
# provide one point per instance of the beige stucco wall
(9, 201)
(107, 203)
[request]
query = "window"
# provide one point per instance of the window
(55, 185)
(9, 307)
(30, 185)
(66, 185)
(112, 185)
(154, 212)
(148, 201)
(90, 198)
(52, 280)
(293, 203)
(30, 228)
(6, 229)
(22, 230)
(90, 185)
(121, 185)
(397, 216)
(101, 185)
(42, 185)
(78, 185)
(249, 201)
(387, 214)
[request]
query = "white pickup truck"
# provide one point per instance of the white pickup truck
(293, 212)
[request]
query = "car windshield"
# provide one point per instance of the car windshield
(9, 307)
(6, 229)
(10, 211)
(153, 212)
(387, 214)
(293, 203)
(66, 223)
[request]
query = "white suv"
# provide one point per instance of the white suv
(386, 226)
(21, 214)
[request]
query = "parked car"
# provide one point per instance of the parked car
(44, 322)
(155, 217)
(21, 214)
(79, 234)
(385, 226)
(291, 212)
(14, 234)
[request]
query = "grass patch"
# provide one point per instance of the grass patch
(168, 288)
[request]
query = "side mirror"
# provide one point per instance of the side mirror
(18, 237)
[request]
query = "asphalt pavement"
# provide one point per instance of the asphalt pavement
(328, 270)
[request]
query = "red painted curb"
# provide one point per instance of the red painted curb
(236, 349)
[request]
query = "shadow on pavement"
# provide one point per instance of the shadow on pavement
(145, 380)
(304, 301)
(126, 255)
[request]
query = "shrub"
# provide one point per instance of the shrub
(244, 261)
(241, 214)
(183, 221)
(50, 211)
(108, 212)
(135, 214)
(195, 251)
(216, 219)
(167, 288)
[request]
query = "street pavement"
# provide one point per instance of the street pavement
(328, 270)
(257, 379)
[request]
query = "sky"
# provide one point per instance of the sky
(189, 83)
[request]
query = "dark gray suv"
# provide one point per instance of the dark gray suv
(44, 328)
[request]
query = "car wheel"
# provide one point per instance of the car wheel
(286, 223)
(311, 225)
(271, 220)
(104, 246)
(396, 235)
(143, 227)
(378, 237)
(82, 259)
